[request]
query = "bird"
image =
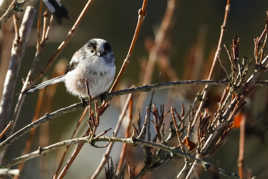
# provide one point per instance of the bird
(89, 73)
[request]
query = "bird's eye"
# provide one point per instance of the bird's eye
(92, 45)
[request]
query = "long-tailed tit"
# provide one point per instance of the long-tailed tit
(90, 72)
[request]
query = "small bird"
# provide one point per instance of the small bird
(90, 72)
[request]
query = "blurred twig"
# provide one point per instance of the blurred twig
(68, 146)
(141, 16)
(125, 150)
(154, 54)
(17, 53)
(39, 42)
(29, 142)
(3, 132)
(9, 172)
(60, 174)
(8, 12)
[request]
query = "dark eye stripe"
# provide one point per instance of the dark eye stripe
(92, 44)
(107, 47)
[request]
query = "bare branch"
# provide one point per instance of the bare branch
(216, 56)
(17, 54)
(131, 140)
(78, 106)
(110, 146)
(47, 117)
(141, 15)
(8, 12)
(6, 171)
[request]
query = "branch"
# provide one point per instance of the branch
(164, 85)
(205, 90)
(92, 140)
(8, 12)
(77, 106)
(6, 171)
(110, 146)
(17, 54)
(47, 117)
(141, 16)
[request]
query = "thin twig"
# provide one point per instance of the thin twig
(75, 153)
(110, 146)
(29, 142)
(240, 162)
(8, 11)
(5, 129)
(47, 117)
(17, 53)
(125, 147)
(131, 140)
(22, 96)
(39, 19)
(156, 50)
(67, 147)
(141, 16)
(16, 27)
(216, 56)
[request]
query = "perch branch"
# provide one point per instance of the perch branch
(146, 88)
(92, 140)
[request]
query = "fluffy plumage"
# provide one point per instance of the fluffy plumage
(90, 72)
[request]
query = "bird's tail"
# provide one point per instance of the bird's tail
(45, 84)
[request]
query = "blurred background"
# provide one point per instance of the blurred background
(191, 44)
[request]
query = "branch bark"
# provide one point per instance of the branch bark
(17, 54)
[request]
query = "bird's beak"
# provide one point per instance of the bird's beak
(98, 54)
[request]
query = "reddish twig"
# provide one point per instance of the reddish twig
(240, 162)
(141, 16)
(73, 156)
(11, 80)
(204, 95)
(16, 27)
(29, 142)
(127, 134)
(110, 146)
(159, 41)
(216, 56)
(68, 147)
(5, 129)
